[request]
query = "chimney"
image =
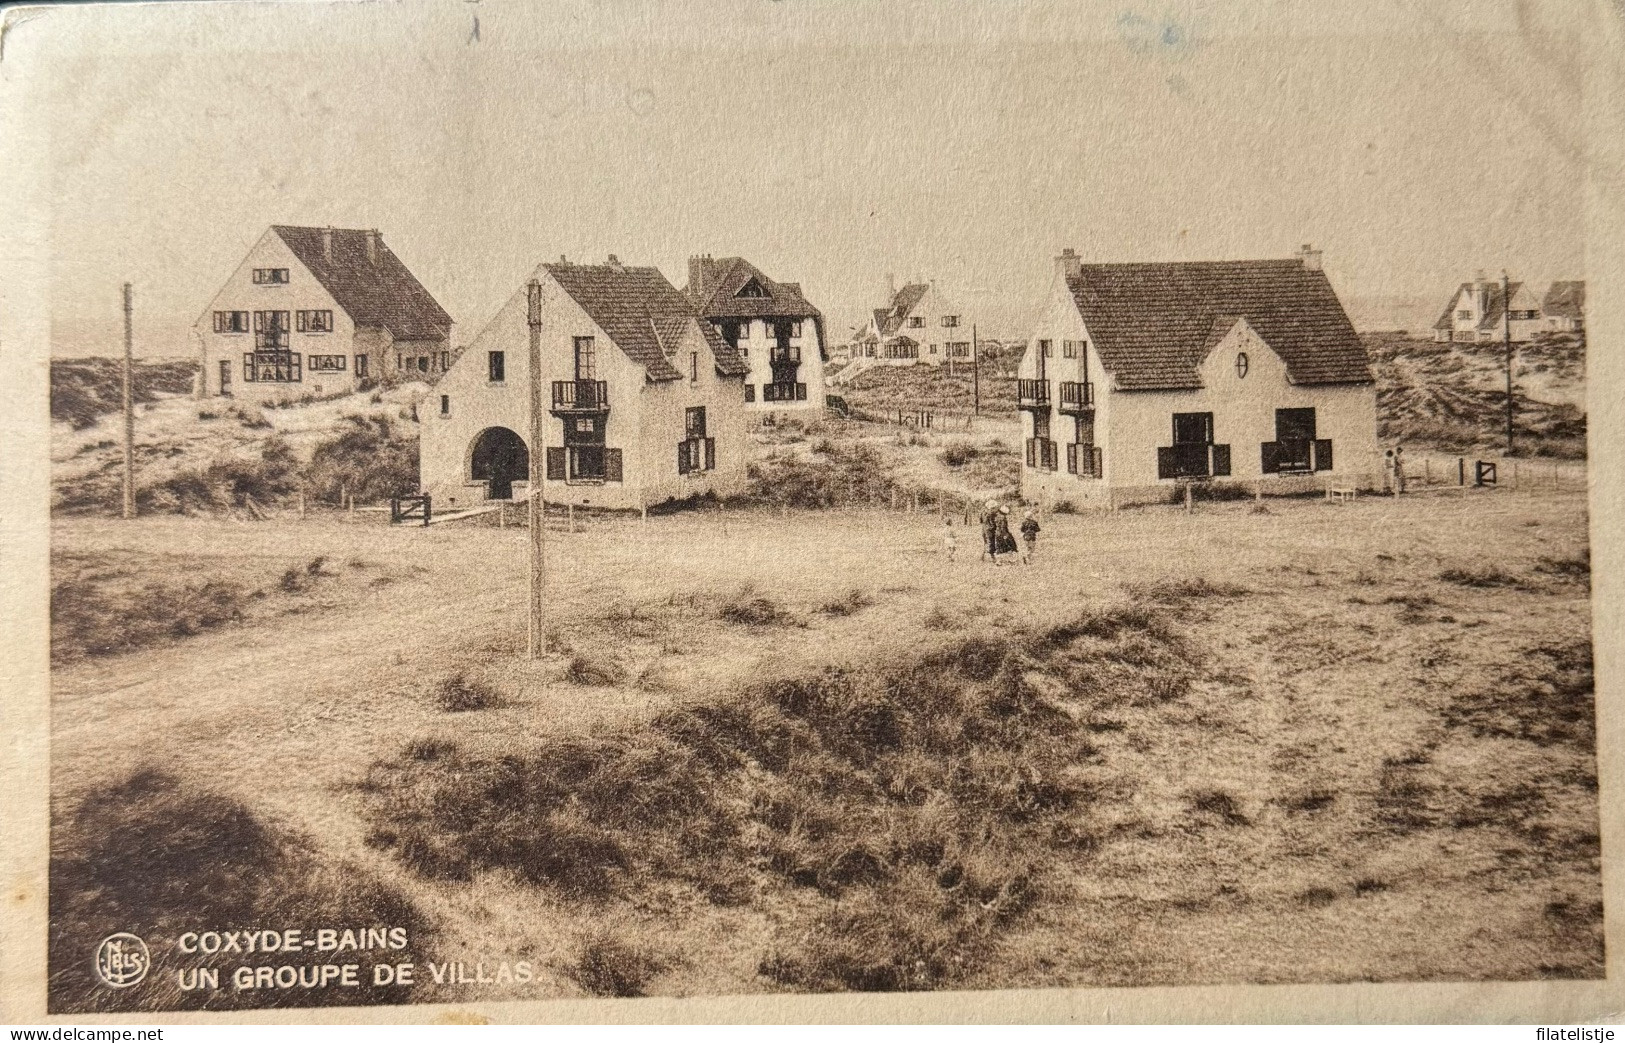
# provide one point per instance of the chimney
(891, 286)
(701, 270)
(372, 246)
(1310, 258)
(1481, 294)
(1069, 265)
(615, 263)
(327, 244)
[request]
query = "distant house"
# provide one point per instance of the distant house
(319, 311)
(1141, 376)
(1565, 306)
(645, 399)
(1476, 312)
(775, 329)
(919, 325)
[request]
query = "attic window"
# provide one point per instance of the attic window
(270, 275)
(753, 288)
(1241, 364)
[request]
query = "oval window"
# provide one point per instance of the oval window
(1241, 364)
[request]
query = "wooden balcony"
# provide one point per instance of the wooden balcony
(574, 397)
(1077, 396)
(1032, 394)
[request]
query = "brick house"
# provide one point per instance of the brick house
(319, 311)
(646, 400)
(1138, 377)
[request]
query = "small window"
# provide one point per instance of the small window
(360, 366)
(445, 361)
(1464, 313)
(950, 320)
(750, 392)
(795, 329)
(270, 276)
(498, 367)
(231, 322)
(1069, 349)
(445, 405)
(586, 355)
(423, 363)
(694, 367)
(326, 363)
(933, 349)
(753, 288)
(1046, 348)
(314, 321)
(1041, 425)
(694, 422)
(916, 322)
(744, 331)
(1243, 364)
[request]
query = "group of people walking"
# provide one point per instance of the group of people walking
(997, 539)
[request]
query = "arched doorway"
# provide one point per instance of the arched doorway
(499, 457)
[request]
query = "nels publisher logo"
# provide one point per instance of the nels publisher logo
(122, 960)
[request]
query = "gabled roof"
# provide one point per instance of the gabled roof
(1565, 300)
(379, 292)
(1154, 324)
(1490, 319)
(890, 320)
(642, 313)
(720, 299)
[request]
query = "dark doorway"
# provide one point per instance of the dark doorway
(499, 458)
(225, 377)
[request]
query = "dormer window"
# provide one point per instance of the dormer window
(752, 288)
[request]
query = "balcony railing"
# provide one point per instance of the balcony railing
(1193, 460)
(1296, 456)
(1077, 396)
(1032, 394)
(1042, 454)
(1085, 461)
(784, 392)
(580, 396)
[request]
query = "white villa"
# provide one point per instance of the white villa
(774, 329)
(1476, 312)
(319, 311)
(1138, 377)
(646, 401)
(920, 325)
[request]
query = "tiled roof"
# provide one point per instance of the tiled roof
(721, 299)
(890, 320)
(1154, 324)
(643, 313)
(1491, 317)
(1565, 300)
(373, 293)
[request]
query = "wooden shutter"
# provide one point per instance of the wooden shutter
(1323, 454)
(612, 465)
(1167, 464)
(297, 362)
(1071, 458)
(555, 463)
(1270, 457)
(248, 366)
(1097, 464)
(682, 457)
(1221, 461)
(710, 454)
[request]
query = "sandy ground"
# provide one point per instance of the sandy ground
(1319, 683)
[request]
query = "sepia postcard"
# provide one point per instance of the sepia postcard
(795, 510)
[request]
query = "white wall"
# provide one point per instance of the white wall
(300, 292)
(641, 414)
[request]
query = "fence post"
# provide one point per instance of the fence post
(502, 517)
(570, 516)
(1187, 497)
(1461, 471)
(426, 510)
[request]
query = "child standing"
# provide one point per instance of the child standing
(1029, 537)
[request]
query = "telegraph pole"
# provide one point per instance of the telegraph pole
(129, 409)
(1506, 328)
(976, 373)
(538, 472)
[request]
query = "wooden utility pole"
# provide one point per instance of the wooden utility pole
(538, 472)
(129, 408)
(976, 373)
(1506, 327)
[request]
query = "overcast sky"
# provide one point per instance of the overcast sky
(830, 143)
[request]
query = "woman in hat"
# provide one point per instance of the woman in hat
(990, 550)
(1004, 542)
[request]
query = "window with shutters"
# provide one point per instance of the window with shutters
(696, 452)
(314, 321)
(231, 322)
(694, 422)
